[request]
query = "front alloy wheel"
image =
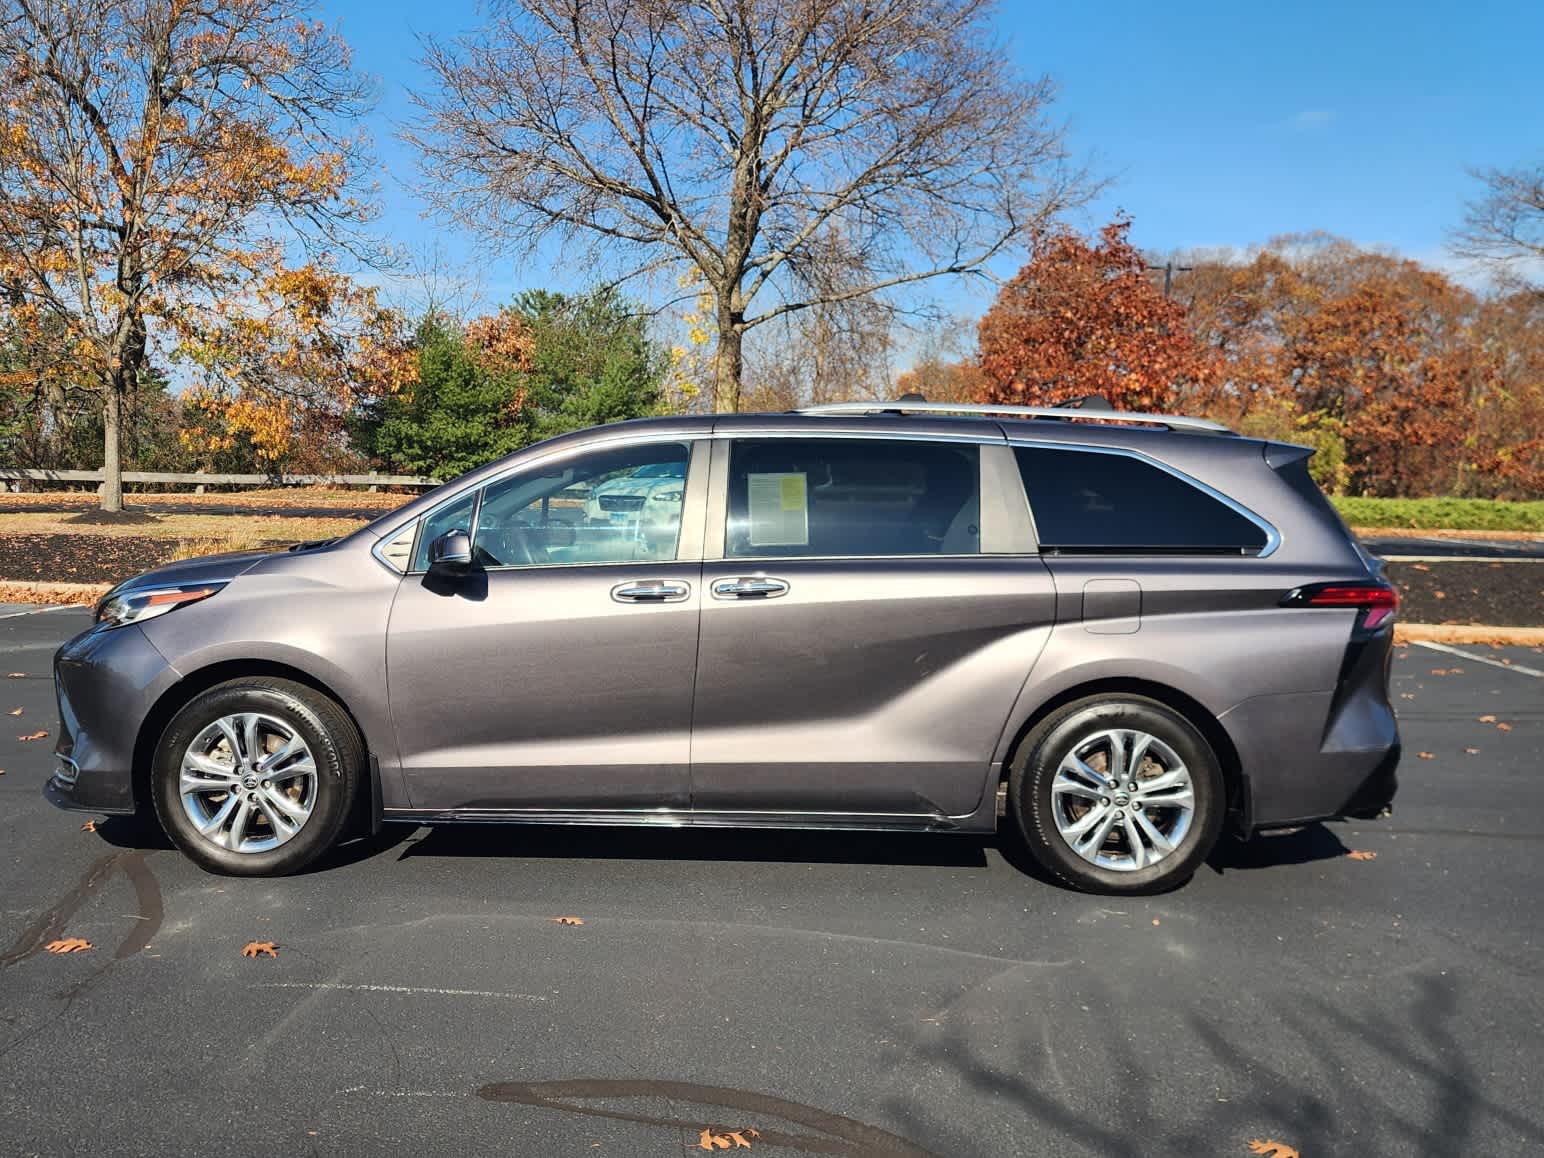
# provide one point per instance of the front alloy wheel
(248, 782)
(255, 777)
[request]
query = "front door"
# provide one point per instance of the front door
(558, 672)
(860, 652)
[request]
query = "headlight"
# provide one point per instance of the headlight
(148, 602)
(665, 497)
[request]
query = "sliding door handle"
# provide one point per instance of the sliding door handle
(749, 587)
(651, 591)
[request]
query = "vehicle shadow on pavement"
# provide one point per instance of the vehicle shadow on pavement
(145, 833)
(1312, 842)
(579, 842)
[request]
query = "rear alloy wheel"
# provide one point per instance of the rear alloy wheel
(254, 777)
(1118, 795)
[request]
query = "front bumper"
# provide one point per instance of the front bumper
(105, 682)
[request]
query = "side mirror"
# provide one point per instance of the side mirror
(451, 553)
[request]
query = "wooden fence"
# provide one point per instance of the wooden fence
(24, 478)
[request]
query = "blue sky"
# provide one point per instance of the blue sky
(1217, 124)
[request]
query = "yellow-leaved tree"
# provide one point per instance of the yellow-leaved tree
(161, 162)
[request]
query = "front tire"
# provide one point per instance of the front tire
(256, 776)
(1118, 795)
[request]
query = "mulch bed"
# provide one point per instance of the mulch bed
(1462, 591)
(83, 558)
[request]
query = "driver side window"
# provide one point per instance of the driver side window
(620, 505)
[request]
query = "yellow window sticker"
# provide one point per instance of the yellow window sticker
(779, 509)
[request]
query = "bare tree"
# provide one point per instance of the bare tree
(1504, 229)
(157, 160)
(796, 152)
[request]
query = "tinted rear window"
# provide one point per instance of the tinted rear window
(1089, 501)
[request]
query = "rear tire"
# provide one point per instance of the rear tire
(257, 776)
(1106, 827)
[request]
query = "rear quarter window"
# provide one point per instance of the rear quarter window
(1088, 501)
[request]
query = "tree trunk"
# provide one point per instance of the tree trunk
(728, 363)
(112, 420)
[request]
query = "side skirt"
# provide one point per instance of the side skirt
(983, 820)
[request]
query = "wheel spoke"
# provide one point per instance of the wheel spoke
(1118, 742)
(203, 764)
(274, 760)
(279, 819)
(1088, 846)
(1076, 764)
(227, 726)
(1141, 743)
(292, 812)
(251, 743)
(1180, 797)
(1174, 778)
(237, 832)
(1162, 845)
(195, 780)
(212, 825)
(1134, 840)
(1065, 784)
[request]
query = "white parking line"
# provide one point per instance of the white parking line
(397, 989)
(1517, 667)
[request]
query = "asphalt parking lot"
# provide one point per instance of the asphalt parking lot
(834, 993)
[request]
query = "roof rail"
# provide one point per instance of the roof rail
(1173, 421)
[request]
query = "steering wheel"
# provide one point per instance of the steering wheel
(520, 546)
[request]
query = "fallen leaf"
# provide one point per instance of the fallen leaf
(1272, 1149)
(1503, 727)
(1424, 755)
(1472, 751)
(1421, 567)
(1155, 920)
(568, 920)
(708, 1140)
(15, 675)
(68, 945)
(1440, 594)
(1407, 695)
(2, 771)
(89, 826)
(33, 736)
(16, 711)
(1359, 854)
(259, 948)
(1439, 671)
(1487, 719)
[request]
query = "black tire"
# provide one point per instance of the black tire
(337, 751)
(1034, 768)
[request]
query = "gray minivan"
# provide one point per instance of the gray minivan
(1124, 631)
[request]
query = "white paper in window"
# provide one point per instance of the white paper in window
(779, 509)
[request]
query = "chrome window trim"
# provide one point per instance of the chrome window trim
(981, 437)
(718, 499)
(688, 440)
(1272, 535)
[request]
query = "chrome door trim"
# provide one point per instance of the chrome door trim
(749, 587)
(652, 591)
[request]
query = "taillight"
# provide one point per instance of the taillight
(1379, 601)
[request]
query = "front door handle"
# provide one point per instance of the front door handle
(651, 591)
(749, 587)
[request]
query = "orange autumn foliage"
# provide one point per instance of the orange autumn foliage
(1085, 319)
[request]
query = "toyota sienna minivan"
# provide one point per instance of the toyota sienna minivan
(1123, 632)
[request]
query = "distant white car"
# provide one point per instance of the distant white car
(648, 497)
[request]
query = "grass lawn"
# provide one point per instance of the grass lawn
(1443, 514)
